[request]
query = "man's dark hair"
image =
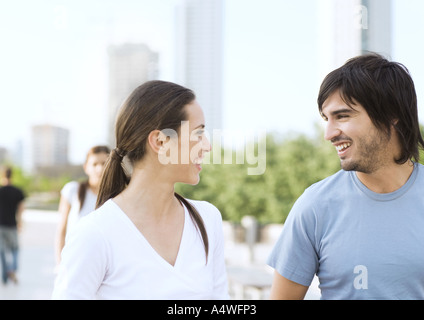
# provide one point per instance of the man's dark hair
(8, 173)
(386, 91)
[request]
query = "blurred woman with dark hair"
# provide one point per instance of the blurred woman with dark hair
(79, 198)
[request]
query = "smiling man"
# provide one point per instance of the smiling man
(361, 230)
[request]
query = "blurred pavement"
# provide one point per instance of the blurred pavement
(36, 258)
(249, 276)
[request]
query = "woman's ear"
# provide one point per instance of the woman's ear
(156, 140)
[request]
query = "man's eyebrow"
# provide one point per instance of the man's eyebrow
(339, 111)
(202, 126)
(344, 110)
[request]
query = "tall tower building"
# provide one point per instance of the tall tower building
(351, 27)
(3, 155)
(199, 54)
(130, 65)
(377, 37)
(340, 32)
(50, 146)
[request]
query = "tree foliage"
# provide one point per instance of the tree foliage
(293, 163)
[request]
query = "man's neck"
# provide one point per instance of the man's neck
(6, 182)
(388, 178)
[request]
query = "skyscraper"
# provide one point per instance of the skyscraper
(377, 36)
(351, 27)
(50, 146)
(130, 65)
(199, 54)
(3, 154)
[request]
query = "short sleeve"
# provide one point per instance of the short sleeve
(220, 273)
(69, 191)
(213, 220)
(20, 195)
(295, 256)
(83, 266)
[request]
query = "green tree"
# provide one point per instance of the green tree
(293, 163)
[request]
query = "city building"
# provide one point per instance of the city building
(3, 155)
(199, 54)
(130, 65)
(377, 37)
(49, 146)
(348, 28)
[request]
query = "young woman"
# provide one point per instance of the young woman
(145, 241)
(79, 198)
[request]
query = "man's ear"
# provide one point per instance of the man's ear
(156, 140)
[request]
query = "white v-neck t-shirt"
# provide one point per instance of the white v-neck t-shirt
(107, 257)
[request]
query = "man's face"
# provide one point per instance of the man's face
(360, 145)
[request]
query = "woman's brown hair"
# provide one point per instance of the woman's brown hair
(83, 185)
(155, 105)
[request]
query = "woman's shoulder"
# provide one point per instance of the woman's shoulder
(70, 189)
(104, 218)
(71, 185)
(106, 212)
(203, 205)
(206, 209)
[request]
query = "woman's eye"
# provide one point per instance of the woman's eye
(198, 134)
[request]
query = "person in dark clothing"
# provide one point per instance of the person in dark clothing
(11, 208)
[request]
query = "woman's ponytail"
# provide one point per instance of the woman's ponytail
(114, 178)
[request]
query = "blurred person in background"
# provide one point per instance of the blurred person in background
(11, 208)
(79, 198)
(145, 241)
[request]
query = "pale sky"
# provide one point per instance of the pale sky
(53, 61)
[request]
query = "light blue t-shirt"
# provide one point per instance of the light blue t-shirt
(360, 244)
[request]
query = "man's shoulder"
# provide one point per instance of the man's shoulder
(328, 186)
(420, 168)
(11, 188)
(323, 195)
